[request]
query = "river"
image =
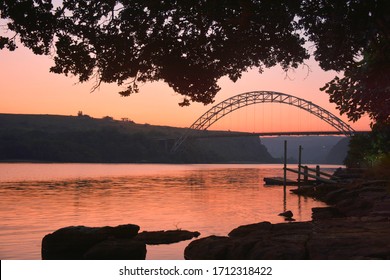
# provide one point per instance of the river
(37, 199)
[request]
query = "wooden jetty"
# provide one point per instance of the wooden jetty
(318, 176)
(305, 171)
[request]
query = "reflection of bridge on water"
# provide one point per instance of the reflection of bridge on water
(249, 98)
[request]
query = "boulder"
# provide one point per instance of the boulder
(336, 195)
(209, 248)
(349, 238)
(165, 237)
(252, 229)
(71, 243)
(321, 213)
(334, 239)
(117, 249)
(256, 241)
(354, 206)
(317, 191)
(286, 247)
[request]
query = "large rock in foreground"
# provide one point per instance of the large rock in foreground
(359, 238)
(71, 243)
(117, 249)
(254, 242)
(334, 239)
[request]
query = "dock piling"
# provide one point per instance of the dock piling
(299, 165)
(285, 165)
(305, 174)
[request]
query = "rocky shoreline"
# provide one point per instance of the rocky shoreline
(356, 225)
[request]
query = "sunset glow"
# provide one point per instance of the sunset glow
(27, 87)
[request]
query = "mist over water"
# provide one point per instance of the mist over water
(37, 199)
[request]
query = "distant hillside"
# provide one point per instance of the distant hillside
(246, 149)
(339, 152)
(316, 149)
(54, 138)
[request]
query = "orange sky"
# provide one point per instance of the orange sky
(27, 87)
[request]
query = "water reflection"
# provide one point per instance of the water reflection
(211, 199)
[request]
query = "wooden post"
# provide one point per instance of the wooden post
(305, 173)
(318, 173)
(285, 177)
(299, 165)
(285, 165)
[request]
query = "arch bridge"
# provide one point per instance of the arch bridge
(249, 98)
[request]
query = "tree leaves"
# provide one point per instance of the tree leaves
(187, 44)
(354, 37)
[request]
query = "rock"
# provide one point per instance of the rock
(252, 229)
(292, 228)
(290, 247)
(349, 173)
(287, 214)
(338, 238)
(350, 239)
(354, 207)
(321, 213)
(121, 231)
(117, 249)
(209, 248)
(335, 196)
(317, 191)
(256, 241)
(165, 237)
(71, 243)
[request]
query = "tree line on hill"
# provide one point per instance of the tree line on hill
(84, 139)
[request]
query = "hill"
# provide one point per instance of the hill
(316, 149)
(54, 138)
(339, 152)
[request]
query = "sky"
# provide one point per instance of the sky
(27, 87)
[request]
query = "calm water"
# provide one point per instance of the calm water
(37, 199)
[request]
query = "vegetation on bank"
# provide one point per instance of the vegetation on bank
(371, 151)
(51, 138)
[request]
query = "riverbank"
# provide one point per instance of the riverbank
(83, 139)
(355, 225)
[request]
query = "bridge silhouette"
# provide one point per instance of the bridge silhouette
(254, 97)
(218, 134)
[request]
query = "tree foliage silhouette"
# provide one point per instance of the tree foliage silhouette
(354, 37)
(191, 44)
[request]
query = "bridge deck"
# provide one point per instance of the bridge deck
(211, 134)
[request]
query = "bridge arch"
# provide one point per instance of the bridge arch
(254, 97)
